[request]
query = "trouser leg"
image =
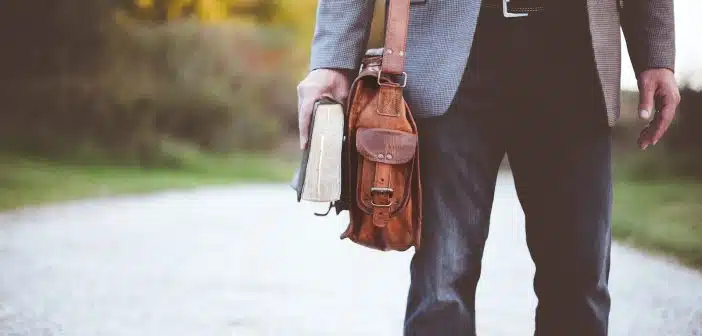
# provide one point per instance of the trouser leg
(564, 186)
(460, 158)
(561, 161)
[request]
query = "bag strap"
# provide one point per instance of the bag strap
(396, 24)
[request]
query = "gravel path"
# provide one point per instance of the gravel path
(250, 261)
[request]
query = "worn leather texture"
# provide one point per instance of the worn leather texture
(382, 190)
(396, 26)
(385, 145)
(440, 38)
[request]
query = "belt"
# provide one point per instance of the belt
(515, 8)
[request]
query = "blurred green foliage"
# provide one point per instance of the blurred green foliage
(128, 88)
(662, 216)
(27, 180)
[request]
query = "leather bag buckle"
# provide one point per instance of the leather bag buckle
(381, 191)
(404, 79)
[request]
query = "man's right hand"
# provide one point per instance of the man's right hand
(332, 83)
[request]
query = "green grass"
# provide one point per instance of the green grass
(32, 181)
(660, 216)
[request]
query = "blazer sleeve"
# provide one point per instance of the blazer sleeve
(649, 31)
(341, 33)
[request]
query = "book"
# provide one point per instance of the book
(318, 179)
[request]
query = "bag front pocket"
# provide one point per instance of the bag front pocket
(385, 168)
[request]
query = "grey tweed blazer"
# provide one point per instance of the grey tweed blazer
(343, 26)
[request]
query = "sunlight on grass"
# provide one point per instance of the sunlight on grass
(33, 181)
(663, 216)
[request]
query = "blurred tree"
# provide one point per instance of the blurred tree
(685, 138)
(55, 37)
(296, 16)
(204, 10)
(293, 17)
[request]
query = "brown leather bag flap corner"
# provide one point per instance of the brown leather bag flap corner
(386, 146)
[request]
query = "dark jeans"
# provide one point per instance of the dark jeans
(530, 91)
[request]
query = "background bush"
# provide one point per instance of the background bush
(96, 82)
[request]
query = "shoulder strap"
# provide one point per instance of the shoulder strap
(397, 20)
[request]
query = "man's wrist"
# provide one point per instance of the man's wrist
(347, 73)
(671, 69)
(657, 62)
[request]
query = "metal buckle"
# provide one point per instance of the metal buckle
(404, 77)
(382, 191)
(506, 13)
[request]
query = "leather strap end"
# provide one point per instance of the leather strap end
(394, 53)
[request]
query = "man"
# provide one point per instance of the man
(538, 80)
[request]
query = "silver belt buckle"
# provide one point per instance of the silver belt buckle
(508, 14)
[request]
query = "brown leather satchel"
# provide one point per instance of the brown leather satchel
(382, 188)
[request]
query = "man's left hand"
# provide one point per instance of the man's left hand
(657, 89)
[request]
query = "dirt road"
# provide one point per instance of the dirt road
(250, 261)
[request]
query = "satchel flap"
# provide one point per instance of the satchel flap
(386, 146)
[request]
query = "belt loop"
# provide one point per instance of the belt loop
(506, 13)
